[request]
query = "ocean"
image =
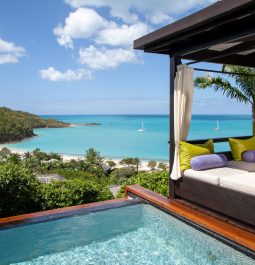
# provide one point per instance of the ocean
(118, 135)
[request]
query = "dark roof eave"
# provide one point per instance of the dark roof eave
(198, 19)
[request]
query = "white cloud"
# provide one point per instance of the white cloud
(70, 75)
(89, 22)
(158, 17)
(118, 9)
(86, 23)
(126, 9)
(9, 52)
(82, 23)
(123, 35)
(99, 59)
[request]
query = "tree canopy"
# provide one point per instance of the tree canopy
(18, 125)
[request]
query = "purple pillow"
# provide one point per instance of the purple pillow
(208, 161)
(249, 156)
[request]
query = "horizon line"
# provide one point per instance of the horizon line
(148, 114)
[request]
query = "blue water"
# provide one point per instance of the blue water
(139, 234)
(118, 136)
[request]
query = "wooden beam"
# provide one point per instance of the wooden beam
(210, 56)
(222, 72)
(240, 60)
(171, 131)
(232, 32)
(183, 39)
(218, 140)
(249, 45)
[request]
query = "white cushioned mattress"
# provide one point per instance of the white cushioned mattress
(212, 176)
(244, 183)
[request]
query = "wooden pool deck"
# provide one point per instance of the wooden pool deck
(221, 226)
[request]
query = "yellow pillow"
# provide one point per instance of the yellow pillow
(239, 146)
(187, 151)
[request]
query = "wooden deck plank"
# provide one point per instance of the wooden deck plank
(223, 228)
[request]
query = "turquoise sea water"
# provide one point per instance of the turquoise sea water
(132, 235)
(118, 136)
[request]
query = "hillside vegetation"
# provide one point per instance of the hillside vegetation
(18, 125)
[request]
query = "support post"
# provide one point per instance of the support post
(171, 131)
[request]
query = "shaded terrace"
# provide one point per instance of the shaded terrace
(223, 33)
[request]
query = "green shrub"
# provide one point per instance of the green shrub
(59, 194)
(93, 157)
(31, 162)
(152, 164)
(111, 163)
(162, 166)
(120, 175)
(45, 156)
(155, 181)
(19, 190)
(14, 158)
(79, 174)
(131, 162)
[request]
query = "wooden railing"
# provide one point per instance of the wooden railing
(218, 140)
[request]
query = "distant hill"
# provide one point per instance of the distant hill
(18, 125)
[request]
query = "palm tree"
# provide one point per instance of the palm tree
(243, 90)
(27, 154)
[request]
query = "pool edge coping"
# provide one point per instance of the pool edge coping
(49, 215)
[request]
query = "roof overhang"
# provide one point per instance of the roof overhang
(221, 33)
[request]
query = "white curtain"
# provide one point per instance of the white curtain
(183, 99)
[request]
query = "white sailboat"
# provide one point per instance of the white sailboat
(142, 128)
(217, 128)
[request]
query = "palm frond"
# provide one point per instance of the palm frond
(223, 85)
(245, 83)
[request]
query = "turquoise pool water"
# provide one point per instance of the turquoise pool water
(138, 234)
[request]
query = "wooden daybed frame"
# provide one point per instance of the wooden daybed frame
(237, 205)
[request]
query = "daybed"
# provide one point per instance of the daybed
(229, 190)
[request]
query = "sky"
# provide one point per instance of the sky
(76, 57)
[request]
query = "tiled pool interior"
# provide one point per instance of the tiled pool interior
(137, 234)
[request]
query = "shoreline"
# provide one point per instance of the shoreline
(71, 125)
(68, 157)
(19, 141)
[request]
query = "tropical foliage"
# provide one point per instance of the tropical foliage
(92, 157)
(243, 90)
(111, 163)
(155, 181)
(152, 164)
(162, 166)
(133, 162)
(70, 192)
(82, 181)
(120, 175)
(19, 190)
